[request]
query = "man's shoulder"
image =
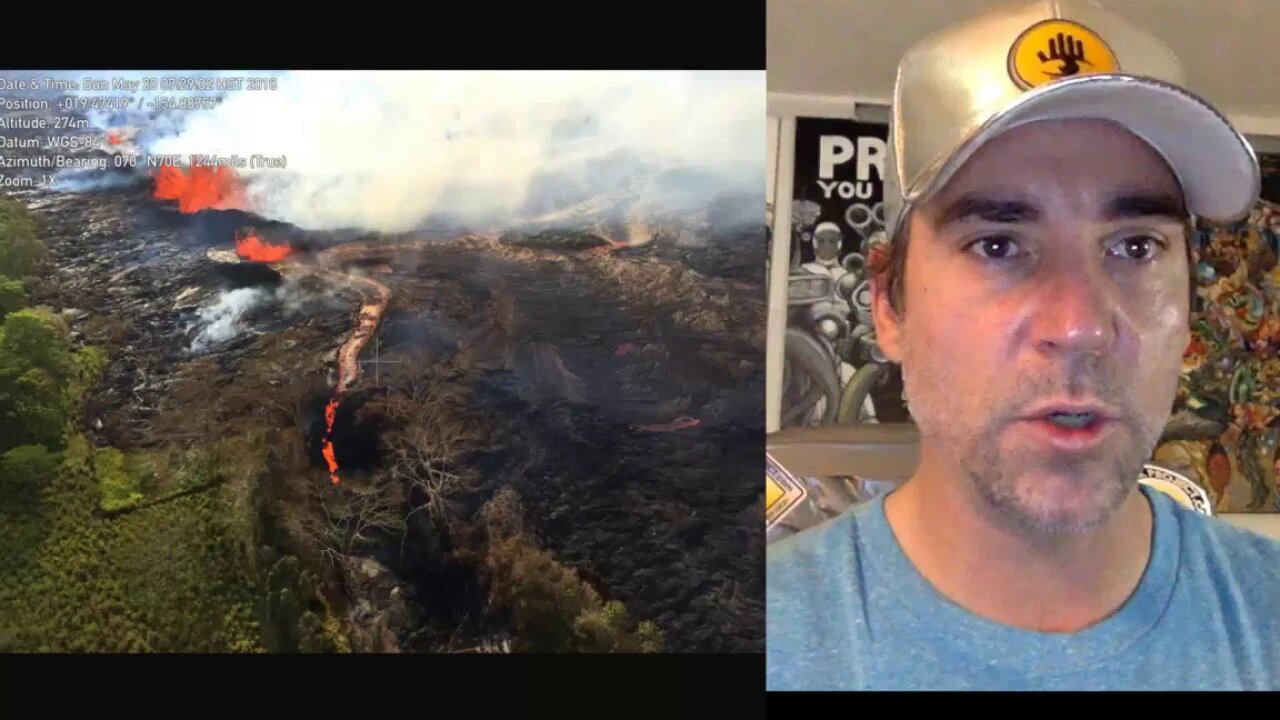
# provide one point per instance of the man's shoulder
(814, 597)
(812, 553)
(1216, 534)
(1247, 559)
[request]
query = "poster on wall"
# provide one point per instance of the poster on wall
(834, 373)
(1225, 430)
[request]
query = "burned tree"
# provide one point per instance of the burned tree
(353, 516)
(429, 438)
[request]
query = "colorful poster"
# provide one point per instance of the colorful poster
(1225, 430)
(834, 373)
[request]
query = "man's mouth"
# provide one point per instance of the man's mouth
(1072, 420)
(1070, 426)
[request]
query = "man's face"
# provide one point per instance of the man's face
(1044, 319)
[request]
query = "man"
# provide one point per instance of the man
(1044, 170)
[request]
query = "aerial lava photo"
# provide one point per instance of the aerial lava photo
(381, 362)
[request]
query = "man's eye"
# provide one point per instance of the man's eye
(994, 247)
(1136, 247)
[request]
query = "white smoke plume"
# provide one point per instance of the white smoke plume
(219, 321)
(384, 150)
(77, 180)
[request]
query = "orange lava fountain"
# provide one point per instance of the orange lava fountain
(199, 188)
(251, 247)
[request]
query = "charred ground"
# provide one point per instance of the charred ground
(575, 379)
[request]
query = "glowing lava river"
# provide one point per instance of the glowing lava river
(374, 297)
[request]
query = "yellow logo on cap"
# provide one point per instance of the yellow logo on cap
(1056, 49)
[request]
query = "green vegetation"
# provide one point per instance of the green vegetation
(609, 629)
(553, 610)
(12, 297)
(35, 368)
(28, 466)
(41, 378)
(119, 489)
(166, 577)
(177, 572)
(91, 363)
(294, 618)
(147, 477)
(550, 607)
(21, 252)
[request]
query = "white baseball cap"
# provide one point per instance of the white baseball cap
(1056, 59)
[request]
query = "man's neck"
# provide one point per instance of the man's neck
(1050, 583)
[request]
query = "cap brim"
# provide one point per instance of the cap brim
(1214, 164)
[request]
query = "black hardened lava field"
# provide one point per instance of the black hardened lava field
(536, 434)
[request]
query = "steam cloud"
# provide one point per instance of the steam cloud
(224, 317)
(383, 151)
(220, 320)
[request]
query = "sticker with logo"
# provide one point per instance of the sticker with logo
(782, 491)
(1056, 49)
(1177, 486)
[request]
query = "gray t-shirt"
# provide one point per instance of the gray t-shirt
(846, 610)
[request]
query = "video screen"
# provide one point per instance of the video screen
(386, 361)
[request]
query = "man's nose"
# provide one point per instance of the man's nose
(1076, 314)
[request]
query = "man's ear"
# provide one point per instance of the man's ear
(887, 321)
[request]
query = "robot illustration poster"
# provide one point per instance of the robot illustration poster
(834, 372)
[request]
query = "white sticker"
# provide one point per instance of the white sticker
(1177, 486)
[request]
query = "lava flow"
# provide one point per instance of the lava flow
(200, 188)
(331, 412)
(679, 423)
(251, 247)
(374, 298)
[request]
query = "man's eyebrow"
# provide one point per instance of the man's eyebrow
(988, 208)
(1140, 204)
(1012, 209)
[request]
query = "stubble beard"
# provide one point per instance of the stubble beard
(1025, 487)
(1014, 494)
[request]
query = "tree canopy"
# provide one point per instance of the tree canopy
(21, 252)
